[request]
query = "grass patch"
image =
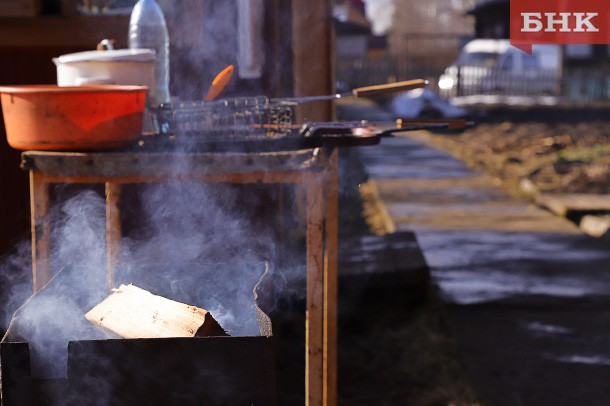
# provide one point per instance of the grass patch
(586, 153)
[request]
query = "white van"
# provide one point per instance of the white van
(488, 66)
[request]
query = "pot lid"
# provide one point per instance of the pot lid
(111, 55)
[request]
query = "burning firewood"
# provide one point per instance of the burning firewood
(132, 312)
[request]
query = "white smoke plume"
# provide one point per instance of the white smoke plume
(381, 15)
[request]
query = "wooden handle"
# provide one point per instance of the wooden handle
(451, 123)
(219, 83)
(389, 88)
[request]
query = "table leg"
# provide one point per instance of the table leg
(331, 280)
(113, 229)
(314, 320)
(40, 227)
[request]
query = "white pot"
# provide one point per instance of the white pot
(113, 66)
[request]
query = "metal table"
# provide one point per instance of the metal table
(315, 170)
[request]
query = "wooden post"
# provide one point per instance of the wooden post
(40, 223)
(113, 229)
(331, 280)
(313, 56)
(314, 320)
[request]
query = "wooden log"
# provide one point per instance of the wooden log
(132, 312)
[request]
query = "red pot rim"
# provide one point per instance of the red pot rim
(71, 89)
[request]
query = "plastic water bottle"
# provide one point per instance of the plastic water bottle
(147, 29)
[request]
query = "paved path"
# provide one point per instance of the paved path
(528, 295)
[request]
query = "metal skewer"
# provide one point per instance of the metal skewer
(361, 91)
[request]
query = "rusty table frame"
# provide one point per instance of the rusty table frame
(316, 170)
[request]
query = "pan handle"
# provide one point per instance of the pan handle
(389, 88)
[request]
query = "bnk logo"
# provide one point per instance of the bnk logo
(564, 22)
(559, 22)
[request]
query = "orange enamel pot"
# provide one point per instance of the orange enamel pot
(54, 118)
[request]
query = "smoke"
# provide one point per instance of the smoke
(48, 322)
(201, 244)
(80, 231)
(204, 41)
(381, 15)
(78, 237)
(15, 281)
(199, 226)
(187, 222)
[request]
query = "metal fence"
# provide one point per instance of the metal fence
(477, 80)
(586, 84)
(572, 84)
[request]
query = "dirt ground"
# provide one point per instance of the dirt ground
(547, 149)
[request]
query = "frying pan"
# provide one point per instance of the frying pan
(337, 134)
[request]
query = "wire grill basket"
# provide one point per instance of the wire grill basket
(231, 117)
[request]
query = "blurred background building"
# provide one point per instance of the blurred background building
(382, 41)
(401, 39)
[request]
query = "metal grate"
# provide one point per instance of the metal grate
(236, 116)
